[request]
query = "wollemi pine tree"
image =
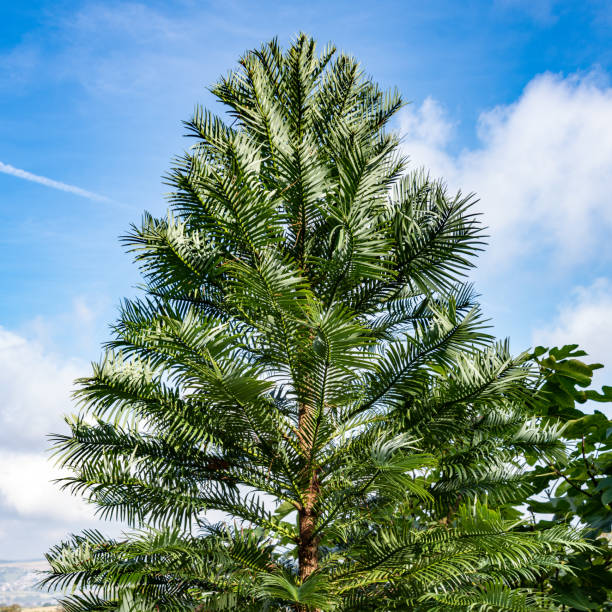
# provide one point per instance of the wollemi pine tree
(306, 359)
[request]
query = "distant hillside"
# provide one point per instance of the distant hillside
(18, 584)
(37, 609)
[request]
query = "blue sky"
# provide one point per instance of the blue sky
(510, 99)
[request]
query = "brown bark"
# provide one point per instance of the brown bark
(308, 543)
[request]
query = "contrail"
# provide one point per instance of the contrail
(43, 180)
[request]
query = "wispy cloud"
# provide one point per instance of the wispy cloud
(43, 180)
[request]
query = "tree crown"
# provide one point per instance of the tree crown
(307, 360)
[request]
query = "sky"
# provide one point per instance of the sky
(509, 99)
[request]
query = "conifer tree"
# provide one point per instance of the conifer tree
(306, 359)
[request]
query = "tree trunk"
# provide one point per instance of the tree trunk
(308, 548)
(308, 544)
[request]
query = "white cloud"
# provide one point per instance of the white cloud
(36, 387)
(426, 125)
(35, 392)
(27, 488)
(542, 168)
(587, 320)
(47, 182)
